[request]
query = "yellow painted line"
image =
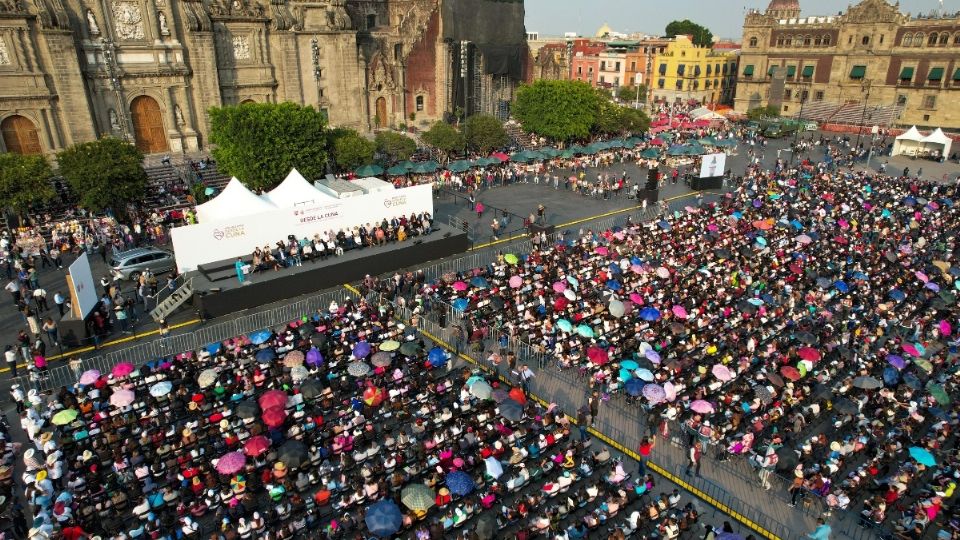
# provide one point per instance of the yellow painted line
(105, 344)
(578, 221)
(618, 446)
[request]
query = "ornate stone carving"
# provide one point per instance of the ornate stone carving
(197, 18)
(92, 24)
(4, 54)
(11, 6)
(114, 121)
(128, 20)
(241, 48)
(337, 16)
(281, 17)
(52, 14)
(178, 115)
(162, 19)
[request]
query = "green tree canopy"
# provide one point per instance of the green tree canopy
(350, 149)
(396, 146)
(701, 35)
(561, 110)
(444, 138)
(616, 119)
(485, 133)
(106, 173)
(628, 94)
(24, 181)
(260, 142)
(767, 111)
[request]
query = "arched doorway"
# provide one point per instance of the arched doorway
(247, 102)
(148, 125)
(381, 112)
(20, 135)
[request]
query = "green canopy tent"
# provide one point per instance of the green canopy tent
(650, 153)
(568, 153)
(459, 166)
(397, 170)
(425, 167)
(368, 170)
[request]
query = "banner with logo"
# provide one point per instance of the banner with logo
(209, 242)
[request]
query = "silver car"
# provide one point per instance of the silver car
(130, 264)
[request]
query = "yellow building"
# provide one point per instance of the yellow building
(684, 71)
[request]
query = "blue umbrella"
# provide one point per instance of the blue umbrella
(361, 349)
(891, 376)
(437, 357)
(650, 314)
(260, 336)
(479, 283)
(796, 224)
(265, 356)
(629, 364)
(585, 331)
(841, 286)
(756, 301)
(459, 482)
(634, 387)
(564, 325)
(897, 295)
(625, 374)
(573, 281)
(460, 304)
(860, 275)
(761, 241)
(644, 374)
(614, 285)
(922, 456)
(663, 224)
(213, 348)
(384, 518)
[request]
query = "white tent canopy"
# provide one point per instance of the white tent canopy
(295, 191)
(703, 113)
(235, 200)
(937, 141)
(907, 143)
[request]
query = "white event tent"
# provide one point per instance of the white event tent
(908, 143)
(235, 200)
(295, 191)
(937, 141)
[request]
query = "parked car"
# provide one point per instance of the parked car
(130, 264)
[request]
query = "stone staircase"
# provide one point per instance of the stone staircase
(174, 301)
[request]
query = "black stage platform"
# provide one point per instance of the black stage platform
(217, 296)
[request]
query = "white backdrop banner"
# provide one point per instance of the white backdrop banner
(83, 290)
(713, 165)
(209, 242)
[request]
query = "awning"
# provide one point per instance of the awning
(956, 75)
(858, 72)
(807, 71)
(791, 71)
(771, 70)
(748, 71)
(906, 74)
(663, 69)
(936, 74)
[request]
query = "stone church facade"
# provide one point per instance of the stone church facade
(148, 70)
(888, 67)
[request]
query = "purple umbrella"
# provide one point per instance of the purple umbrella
(896, 361)
(361, 350)
(701, 406)
(654, 393)
(90, 376)
(652, 356)
(721, 372)
(231, 463)
(314, 358)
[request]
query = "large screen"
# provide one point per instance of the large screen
(713, 165)
(83, 290)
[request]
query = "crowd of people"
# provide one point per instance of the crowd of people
(806, 321)
(344, 424)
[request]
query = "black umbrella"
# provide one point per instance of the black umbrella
(247, 409)
(747, 252)
(486, 526)
(292, 453)
(845, 406)
(319, 340)
(496, 303)
(806, 338)
(845, 353)
(409, 348)
(511, 410)
(306, 330)
(763, 394)
(722, 253)
(891, 256)
(746, 307)
(311, 388)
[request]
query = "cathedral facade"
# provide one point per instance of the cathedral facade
(148, 70)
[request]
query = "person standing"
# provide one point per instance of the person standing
(76, 366)
(238, 266)
(822, 532)
(582, 413)
(11, 357)
(40, 298)
(695, 458)
(767, 464)
(17, 395)
(594, 405)
(60, 301)
(796, 486)
(14, 289)
(646, 446)
(50, 328)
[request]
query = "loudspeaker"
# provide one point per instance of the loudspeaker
(536, 228)
(653, 176)
(649, 195)
(699, 184)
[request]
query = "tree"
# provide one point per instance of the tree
(616, 119)
(701, 35)
(485, 133)
(759, 113)
(628, 94)
(106, 173)
(396, 146)
(260, 142)
(561, 110)
(350, 149)
(24, 181)
(444, 138)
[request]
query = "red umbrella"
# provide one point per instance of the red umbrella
(256, 445)
(763, 224)
(373, 396)
(274, 416)
(501, 156)
(790, 372)
(560, 303)
(795, 268)
(273, 398)
(809, 353)
(598, 356)
(517, 395)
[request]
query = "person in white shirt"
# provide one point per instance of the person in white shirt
(11, 357)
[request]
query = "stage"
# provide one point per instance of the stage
(217, 291)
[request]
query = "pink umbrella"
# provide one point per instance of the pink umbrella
(459, 286)
(945, 328)
(89, 376)
(663, 272)
(844, 224)
(274, 416)
(602, 250)
(231, 462)
(122, 369)
(559, 286)
(804, 239)
(713, 227)
(670, 390)
(701, 406)
(636, 298)
(921, 276)
(679, 312)
(636, 268)
(721, 372)
(911, 350)
(122, 398)
(516, 282)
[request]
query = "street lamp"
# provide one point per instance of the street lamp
(864, 86)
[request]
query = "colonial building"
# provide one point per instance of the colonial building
(871, 65)
(148, 70)
(688, 72)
